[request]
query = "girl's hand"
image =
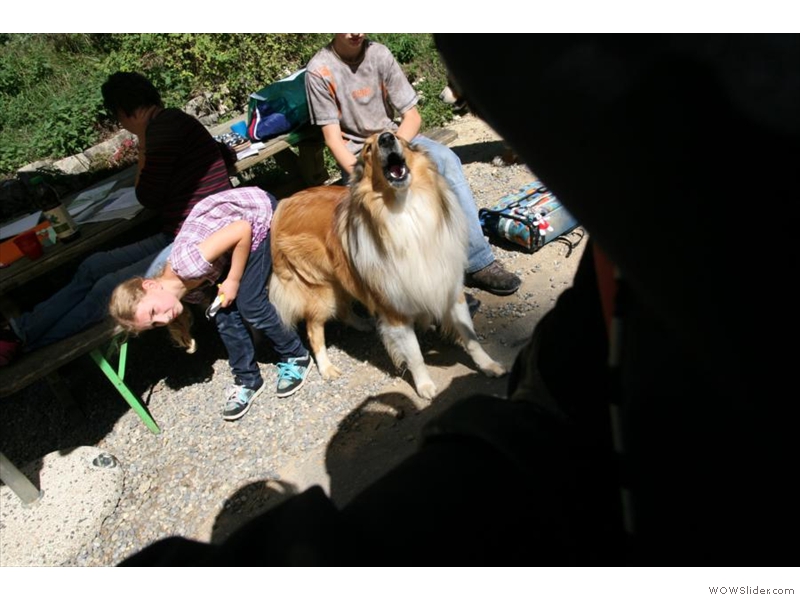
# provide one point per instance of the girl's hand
(228, 290)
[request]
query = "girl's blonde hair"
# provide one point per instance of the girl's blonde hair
(122, 308)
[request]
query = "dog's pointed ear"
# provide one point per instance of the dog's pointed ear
(361, 162)
(358, 170)
(366, 151)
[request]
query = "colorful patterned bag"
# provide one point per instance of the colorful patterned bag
(530, 218)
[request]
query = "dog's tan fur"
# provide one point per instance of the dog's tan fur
(397, 247)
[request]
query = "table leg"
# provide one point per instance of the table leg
(116, 378)
(312, 162)
(17, 482)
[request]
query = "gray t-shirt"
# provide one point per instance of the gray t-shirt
(363, 99)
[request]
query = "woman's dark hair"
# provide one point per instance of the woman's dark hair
(128, 91)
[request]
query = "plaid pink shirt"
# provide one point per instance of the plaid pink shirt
(211, 214)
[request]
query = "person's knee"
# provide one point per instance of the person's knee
(447, 160)
(93, 268)
(103, 287)
(261, 315)
(452, 159)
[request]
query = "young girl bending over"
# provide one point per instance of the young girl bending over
(230, 227)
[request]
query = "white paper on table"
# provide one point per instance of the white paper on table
(90, 198)
(123, 198)
(249, 151)
(122, 205)
(20, 225)
(118, 202)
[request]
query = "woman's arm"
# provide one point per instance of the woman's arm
(236, 236)
(141, 159)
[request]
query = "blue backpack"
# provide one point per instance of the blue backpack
(278, 108)
(529, 218)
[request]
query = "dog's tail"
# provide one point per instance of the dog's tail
(289, 312)
(297, 261)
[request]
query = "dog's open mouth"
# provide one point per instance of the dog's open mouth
(396, 169)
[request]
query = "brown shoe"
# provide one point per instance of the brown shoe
(493, 279)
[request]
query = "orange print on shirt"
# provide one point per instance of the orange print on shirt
(362, 93)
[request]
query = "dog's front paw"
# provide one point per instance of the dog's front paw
(493, 369)
(426, 389)
(328, 371)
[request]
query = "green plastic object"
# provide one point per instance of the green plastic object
(116, 377)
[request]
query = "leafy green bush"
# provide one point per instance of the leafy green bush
(50, 103)
(230, 66)
(49, 97)
(417, 55)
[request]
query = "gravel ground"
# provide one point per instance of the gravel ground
(202, 476)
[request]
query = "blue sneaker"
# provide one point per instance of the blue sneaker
(239, 398)
(292, 374)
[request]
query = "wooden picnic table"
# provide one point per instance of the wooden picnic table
(93, 236)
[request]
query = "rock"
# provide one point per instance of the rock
(73, 165)
(199, 106)
(108, 147)
(209, 120)
(36, 166)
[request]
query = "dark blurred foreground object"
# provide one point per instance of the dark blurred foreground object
(653, 143)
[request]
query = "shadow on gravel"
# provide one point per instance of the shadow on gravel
(366, 346)
(386, 429)
(482, 152)
(370, 441)
(248, 502)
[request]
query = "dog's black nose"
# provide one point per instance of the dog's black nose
(386, 139)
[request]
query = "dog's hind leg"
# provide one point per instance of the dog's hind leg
(316, 339)
(459, 321)
(403, 347)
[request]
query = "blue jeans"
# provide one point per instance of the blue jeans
(253, 306)
(84, 300)
(449, 165)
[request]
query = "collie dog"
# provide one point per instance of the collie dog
(395, 240)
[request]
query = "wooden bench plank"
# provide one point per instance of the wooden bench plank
(442, 135)
(35, 365)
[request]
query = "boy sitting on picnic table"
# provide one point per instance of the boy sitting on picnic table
(354, 86)
(179, 164)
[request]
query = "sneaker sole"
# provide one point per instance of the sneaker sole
(497, 292)
(247, 408)
(297, 389)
